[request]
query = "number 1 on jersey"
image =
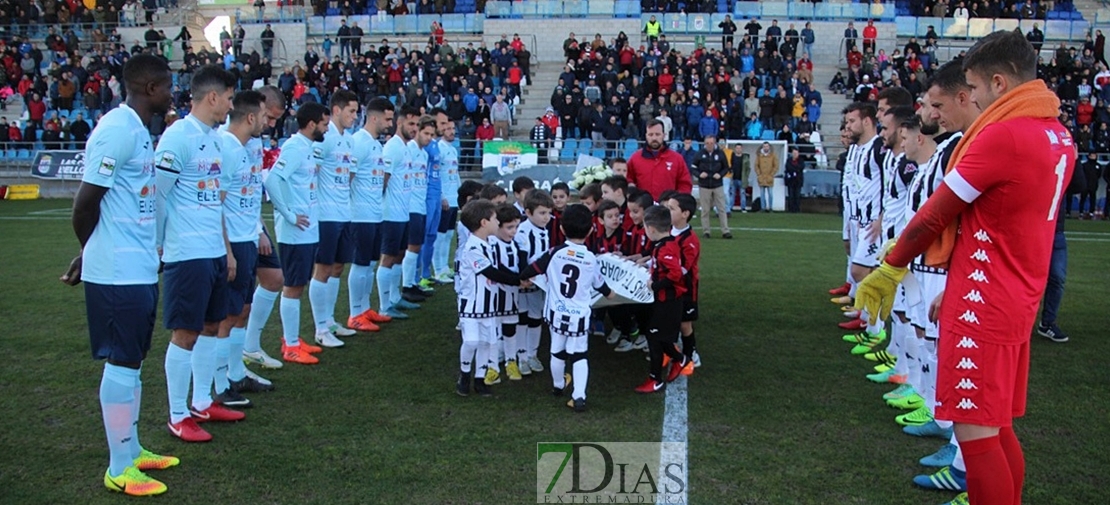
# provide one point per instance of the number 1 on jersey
(1060, 170)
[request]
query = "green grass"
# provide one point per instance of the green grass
(779, 414)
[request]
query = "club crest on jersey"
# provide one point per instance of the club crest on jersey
(317, 152)
(165, 162)
(214, 168)
(668, 166)
(107, 166)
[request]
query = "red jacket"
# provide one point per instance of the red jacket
(484, 132)
(870, 32)
(1084, 113)
(656, 172)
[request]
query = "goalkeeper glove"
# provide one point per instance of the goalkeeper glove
(875, 294)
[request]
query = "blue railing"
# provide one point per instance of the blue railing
(949, 28)
(398, 25)
(741, 10)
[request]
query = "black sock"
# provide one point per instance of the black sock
(655, 351)
(689, 345)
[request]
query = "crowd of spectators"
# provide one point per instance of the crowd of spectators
(25, 15)
(393, 7)
(966, 9)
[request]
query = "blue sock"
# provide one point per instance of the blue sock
(442, 251)
(236, 370)
(333, 298)
(384, 286)
(318, 300)
(204, 371)
(291, 321)
(426, 254)
(408, 269)
(178, 372)
(136, 447)
(261, 307)
(117, 394)
(223, 352)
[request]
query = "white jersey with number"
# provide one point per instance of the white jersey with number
(573, 276)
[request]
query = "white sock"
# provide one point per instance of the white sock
(204, 370)
(261, 307)
(223, 351)
(178, 372)
(872, 329)
(558, 372)
(368, 285)
(408, 268)
(385, 285)
(466, 356)
(509, 346)
(534, 334)
(358, 299)
(900, 335)
(236, 370)
(581, 377)
(929, 376)
(117, 398)
(913, 352)
(852, 290)
(318, 302)
(481, 360)
(136, 447)
(439, 256)
(958, 461)
(333, 298)
(395, 285)
(291, 321)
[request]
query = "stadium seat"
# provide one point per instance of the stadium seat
(768, 135)
(10, 154)
(569, 150)
(23, 154)
(584, 147)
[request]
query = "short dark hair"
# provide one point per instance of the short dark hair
(468, 190)
(491, 191)
(142, 69)
(341, 98)
(437, 111)
(591, 190)
(607, 205)
(616, 182)
(949, 78)
(538, 198)
(641, 198)
(246, 103)
(522, 183)
(901, 113)
(653, 123)
(408, 111)
(1003, 52)
(274, 96)
(476, 211)
(506, 213)
(913, 123)
(577, 221)
(657, 217)
(211, 78)
(896, 96)
(310, 112)
(686, 203)
(560, 186)
(866, 110)
(614, 161)
(667, 195)
(379, 105)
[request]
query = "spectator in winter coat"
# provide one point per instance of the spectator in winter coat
(484, 131)
(1084, 112)
(709, 125)
(754, 128)
(694, 113)
(793, 177)
(766, 167)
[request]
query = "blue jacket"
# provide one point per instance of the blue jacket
(747, 64)
(755, 129)
(814, 112)
(708, 126)
(470, 101)
(694, 113)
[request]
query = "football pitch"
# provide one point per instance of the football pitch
(779, 413)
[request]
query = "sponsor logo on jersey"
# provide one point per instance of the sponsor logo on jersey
(974, 296)
(966, 404)
(966, 364)
(978, 276)
(970, 317)
(981, 255)
(967, 343)
(982, 236)
(966, 383)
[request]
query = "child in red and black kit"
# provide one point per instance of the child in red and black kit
(611, 236)
(636, 248)
(682, 207)
(560, 193)
(669, 287)
(615, 188)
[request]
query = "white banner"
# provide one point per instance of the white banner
(630, 282)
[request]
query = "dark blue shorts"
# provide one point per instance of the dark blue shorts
(448, 219)
(393, 237)
(121, 320)
(336, 246)
(416, 228)
(269, 260)
(195, 293)
(241, 290)
(297, 261)
(368, 242)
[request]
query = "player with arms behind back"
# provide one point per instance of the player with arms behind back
(1002, 190)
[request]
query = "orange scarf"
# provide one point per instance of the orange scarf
(1031, 99)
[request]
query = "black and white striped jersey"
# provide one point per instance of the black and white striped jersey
(478, 296)
(929, 177)
(533, 242)
(899, 173)
(507, 256)
(573, 276)
(868, 181)
(846, 180)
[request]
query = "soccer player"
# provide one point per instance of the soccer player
(268, 270)
(533, 240)
(395, 218)
(865, 195)
(1003, 190)
(367, 184)
(615, 188)
(611, 238)
(441, 247)
(560, 194)
(507, 256)
(292, 187)
(241, 192)
(333, 190)
(422, 164)
(436, 204)
(477, 289)
(572, 277)
(682, 207)
(668, 285)
(114, 220)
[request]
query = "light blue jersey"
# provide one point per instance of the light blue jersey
(294, 176)
(333, 183)
(242, 185)
(419, 174)
(189, 164)
(120, 156)
(398, 163)
(434, 174)
(369, 179)
(449, 172)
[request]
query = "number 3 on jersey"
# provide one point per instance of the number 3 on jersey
(569, 286)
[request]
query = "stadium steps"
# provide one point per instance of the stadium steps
(1089, 9)
(535, 98)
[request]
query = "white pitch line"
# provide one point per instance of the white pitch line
(675, 429)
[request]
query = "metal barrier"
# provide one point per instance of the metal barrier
(792, 9)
